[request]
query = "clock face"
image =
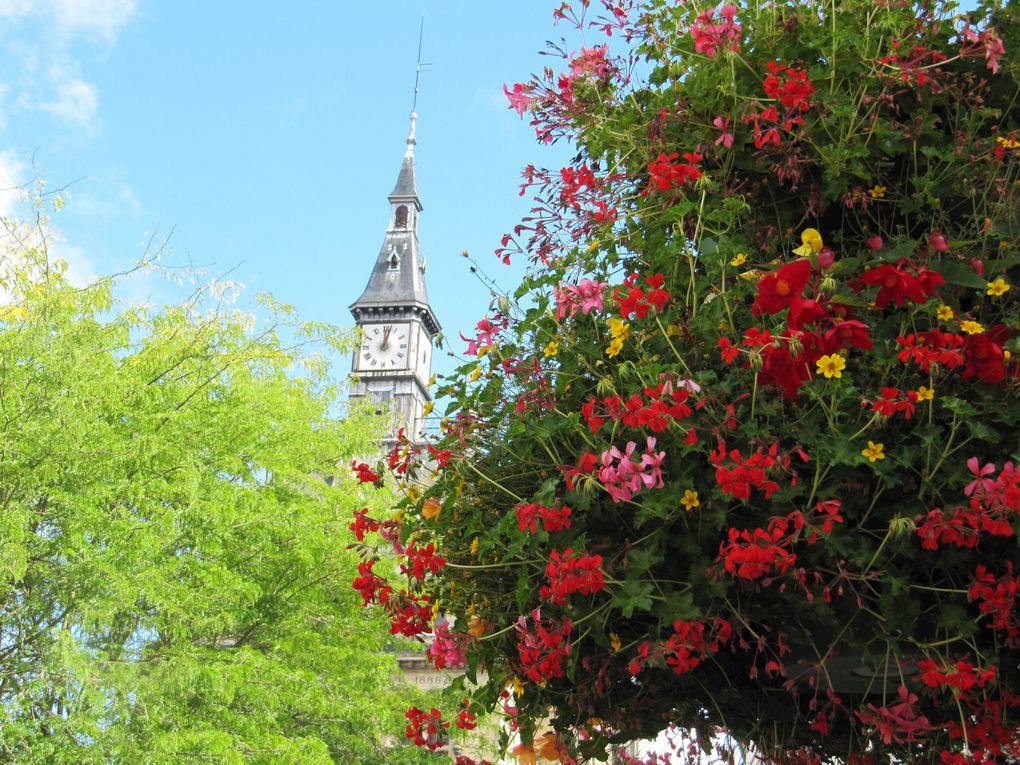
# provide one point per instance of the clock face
(384, 347)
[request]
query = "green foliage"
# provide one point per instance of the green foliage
(173, 582)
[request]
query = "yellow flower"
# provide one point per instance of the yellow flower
(474, 546)
(878, 192)
(429, 406)
(614, 641)
(811, 243)
(1008, 143)
(615, 346)
(925, 394)
(619, 329)
(552, 349)
(874, 451)
(971, 327)
(944, 313)
(476, 373)
(518, 687)
(997, 288)
(690, 500)
(1007, 355)
(831, 366)
(738, 261)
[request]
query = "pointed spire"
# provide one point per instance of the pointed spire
(407, 185)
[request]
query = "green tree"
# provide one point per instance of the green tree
(174, 585)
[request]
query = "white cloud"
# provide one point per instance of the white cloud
(94, 18)
(13, 177)
(80, 271)
(75, 100)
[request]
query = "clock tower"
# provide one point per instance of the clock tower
(393, 362)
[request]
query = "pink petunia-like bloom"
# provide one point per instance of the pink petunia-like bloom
(519, 99)
(585, 296)
(710, 34)
(980, 486)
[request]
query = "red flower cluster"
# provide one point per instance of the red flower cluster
(935, 347)
(694, 640)
(364, 473)
(632, 300)
(586, 465)
(899, 722)
(993, 506)
(893, 401)
(757, 553)
(410, 614)
(664, 175)
(963, 675)
(372, 587)
(466, 720)
(568, 574)
(542, 651)
(426, 728)
(984, 356)
(553, 518)
(362, 524)
(791, 87)
(738, 478)
(655, 414)
(421, 561)
(572, 181)
(904, 281)
(998, 597)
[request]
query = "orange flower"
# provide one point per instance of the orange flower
(431, 509)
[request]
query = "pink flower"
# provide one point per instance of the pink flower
(447, 650)
(709, 35)
(726, 139)
(652, 462)
(520, 101)
(585, 296)
(980, 486)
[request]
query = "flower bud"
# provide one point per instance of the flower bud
(828, 285)
(826, 257)
(978, 265)
(875, 243)
(938, 241)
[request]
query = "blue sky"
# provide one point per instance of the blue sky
(264, 137)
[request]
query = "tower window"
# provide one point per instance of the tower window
(401, 219)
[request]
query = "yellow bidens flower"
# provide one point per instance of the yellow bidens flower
(615, 346)
(831, 366)
(944, 313)
(874, 451)
(971, 327)
(997, 288)
(474, 546)
(618, 328)
(878, 192)
(614, 641)
(739, 260)
(429, 406)
(811, 243)
(1008, 143)
(690, 500)
(552, 349)
(925, 394)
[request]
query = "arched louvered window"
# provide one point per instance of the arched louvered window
(402, 216)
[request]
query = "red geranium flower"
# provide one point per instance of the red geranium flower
(778, 290)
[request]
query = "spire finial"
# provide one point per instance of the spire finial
(418, 69)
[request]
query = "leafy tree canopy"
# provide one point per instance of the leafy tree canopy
(174, 582)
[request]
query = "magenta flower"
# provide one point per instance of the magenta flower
(726, 139)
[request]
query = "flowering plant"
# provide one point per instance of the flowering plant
(740, 454)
